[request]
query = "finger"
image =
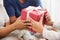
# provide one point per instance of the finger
(48, 18)
(41, 19)
(47, 15)
(24, 27)
(31, 20)
(28, 21)
(27, 24)
(24, 20)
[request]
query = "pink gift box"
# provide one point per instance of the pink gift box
(24, 14)
(34, 14)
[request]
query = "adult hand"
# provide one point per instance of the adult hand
(37, 26)
(21, 24)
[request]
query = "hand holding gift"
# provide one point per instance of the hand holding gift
(33, 12)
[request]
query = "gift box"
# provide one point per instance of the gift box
(34, 14)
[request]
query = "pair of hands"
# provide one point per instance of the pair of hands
(37, 26)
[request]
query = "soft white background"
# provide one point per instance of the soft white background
(53, 6)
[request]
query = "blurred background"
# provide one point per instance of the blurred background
(53, 7)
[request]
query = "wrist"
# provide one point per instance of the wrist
(40, 30)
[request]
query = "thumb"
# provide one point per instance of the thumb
(41, 18)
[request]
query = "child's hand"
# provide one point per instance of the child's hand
(48, 20)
